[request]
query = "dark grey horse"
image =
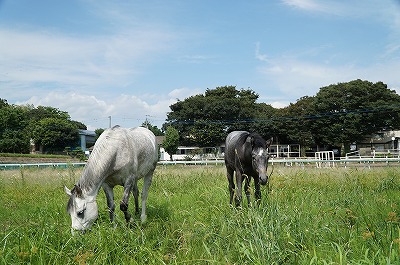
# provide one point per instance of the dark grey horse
(246, 154)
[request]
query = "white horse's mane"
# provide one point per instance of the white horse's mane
(100, 160)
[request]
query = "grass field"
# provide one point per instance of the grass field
(306, 216)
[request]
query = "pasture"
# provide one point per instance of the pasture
(306, 216)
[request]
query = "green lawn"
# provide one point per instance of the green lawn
(306, 216)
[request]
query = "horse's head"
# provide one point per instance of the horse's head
(260, 156)
(82, 208)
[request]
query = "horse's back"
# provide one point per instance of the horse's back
(132, 139)
(232, 140)
(234, 136)
(145, 141)
(134, 149)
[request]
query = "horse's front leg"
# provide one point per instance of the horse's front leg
(257, 190)
(110, 200)
(247, 188)
(125, 200)
(239, 181)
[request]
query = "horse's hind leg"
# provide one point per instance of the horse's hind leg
(239, 182)
(231, 186)
(135, 192)
(145, 191)
(110, 200)
(125, 199)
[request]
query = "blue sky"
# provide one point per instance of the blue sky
(132, 59)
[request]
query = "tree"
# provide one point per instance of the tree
(42, 112)
(55, 134)
(3, 103)
(265, 123)
(14, 137)
(98, 132)
(204, 120)
(153, 128)
(171, 141)
(348, 112)
(48, 126)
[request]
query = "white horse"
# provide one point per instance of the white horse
(120, 157)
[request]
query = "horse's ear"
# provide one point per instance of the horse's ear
(77, 190)
(269, 141)
(252, 141)
(67, 191)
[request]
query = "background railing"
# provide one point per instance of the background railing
(291, 162)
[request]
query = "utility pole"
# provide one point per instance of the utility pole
(109, 121)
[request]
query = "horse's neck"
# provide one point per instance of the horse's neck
(93, 177)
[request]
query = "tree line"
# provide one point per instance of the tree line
(338, 115)
(49, 128)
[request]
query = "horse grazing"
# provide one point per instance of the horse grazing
(246, 154)
(120, 157)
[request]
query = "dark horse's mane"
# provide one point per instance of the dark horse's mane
(258, 141)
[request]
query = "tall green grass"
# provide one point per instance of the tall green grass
(306, 216)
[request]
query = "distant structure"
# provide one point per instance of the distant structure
(86, 137)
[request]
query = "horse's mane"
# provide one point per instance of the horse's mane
(258, 141)
(99, 161)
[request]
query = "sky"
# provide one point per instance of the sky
(130, 60)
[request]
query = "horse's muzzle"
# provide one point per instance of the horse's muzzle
(263, 180)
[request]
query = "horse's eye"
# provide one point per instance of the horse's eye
(80, 213)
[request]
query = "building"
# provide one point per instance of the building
(86, 139)
(380, 143)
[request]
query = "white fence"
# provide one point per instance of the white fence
(291, 162)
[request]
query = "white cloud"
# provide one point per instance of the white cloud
(98, 61)
(297, 78)
(259, 55)
(183, 93)
(303, 4)
(93, 111)
(385, 10)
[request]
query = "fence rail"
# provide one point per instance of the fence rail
(302, 162)
(40, 165)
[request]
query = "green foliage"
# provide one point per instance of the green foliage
(326, 216)
(76, 153)
(171, 141)
(203, 120)
(14, 137)
(338, 114)
(47, 126)
(153, 128)
(348, 112)
(98, 132)
(3, 103)
(55, 134)
(42, 112)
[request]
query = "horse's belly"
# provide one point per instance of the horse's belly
(115, 180)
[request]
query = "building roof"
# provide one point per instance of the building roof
(87, 133)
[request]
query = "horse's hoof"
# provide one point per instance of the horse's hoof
(143, 218)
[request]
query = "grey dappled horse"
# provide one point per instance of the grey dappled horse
(120, 157)
(246, 154)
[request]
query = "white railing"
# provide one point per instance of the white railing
(301, 161)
